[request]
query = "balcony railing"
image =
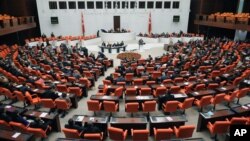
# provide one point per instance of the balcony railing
(16, 24)
(223, 22)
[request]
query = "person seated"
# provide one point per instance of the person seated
(122, 43)
(90, 128)
(110, 78)
(17, 118)
(120, 79)
(101, 55)
(50, 93)
(103, 44)
(65, 97)
(72, 125)
(4, 116)
(76, 74)
(39, 123)
(109, 45)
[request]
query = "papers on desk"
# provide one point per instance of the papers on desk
(169, 118)
(19, 86)
(59, 93)
(35, 90)
(92, 119)
(43, 114)
(178, 95)
(16, 135)
(136, 87)
(109, 86)
(210, 113)
(223, 88)
(244, 107)
(7, 106)
(79, 118)
(186, 83)
(56, 82)
(162, 85)
(196, 93)
(248, 105)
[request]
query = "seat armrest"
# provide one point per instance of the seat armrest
(34, 95)
(125, 133)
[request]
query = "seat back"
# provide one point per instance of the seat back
(61, 104)
(243, 92)
(4, 125)
(19, 95)
(38, 132)
(160, 91)
(145, 91)
(71, 79)
(75, 90)
(237, 81)
(28, 96)
(221, 127)
(149, 106)
(138, 81)
(212, 86)
(93, 136)
(238, 120)
(116, 134)
(18, 126)
(106, 82)
(132, 107)
(200, 87)
(131, 92)
(93, 105)
(192, 78)
(163, 134)
(150, 82)
(178, 80)
(71, 133)
(140, 135)
(167, 81)
(156, 74)
(174, 89)
(119, 91)
(171, 106)
(205, 100)
(109, 106)
(129, 76)
(188, 103)
(85, 81)
(48, 103)
(218, 98)
(185, 131)
(62, 88)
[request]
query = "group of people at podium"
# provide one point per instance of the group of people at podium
(113, 45)
(118, 30)
(166, 35)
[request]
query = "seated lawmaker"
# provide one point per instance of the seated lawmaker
(90, 128)
(17, 118)
(39, 123)
(4, 116)
(72, 125)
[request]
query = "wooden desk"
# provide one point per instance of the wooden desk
(129, 123)
(101, 122)
(204, 118)
(166, 122)
(54, 118)
(154, 86)
(183, 84)
(225, 89)
(102, 98)
(11, 109)
(243, 110)
(139, 99)
(8, 135)
(201, 93)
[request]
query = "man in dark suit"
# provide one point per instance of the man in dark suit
(71, 125)
(50, 93)
(4, 116)
(90, 128)
(39, 123)
(120, 79)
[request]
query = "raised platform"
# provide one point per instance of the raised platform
(117, 37)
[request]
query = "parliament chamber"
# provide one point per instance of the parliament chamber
(162, 72)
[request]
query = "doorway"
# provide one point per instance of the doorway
(116, 23)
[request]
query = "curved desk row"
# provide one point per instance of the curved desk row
(117, 37)
(168, 40)
(112, 49)
(73, 42)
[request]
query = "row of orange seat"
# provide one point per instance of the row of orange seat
(185, 131)
(70, 38)
(6, 17)
(16, 126)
